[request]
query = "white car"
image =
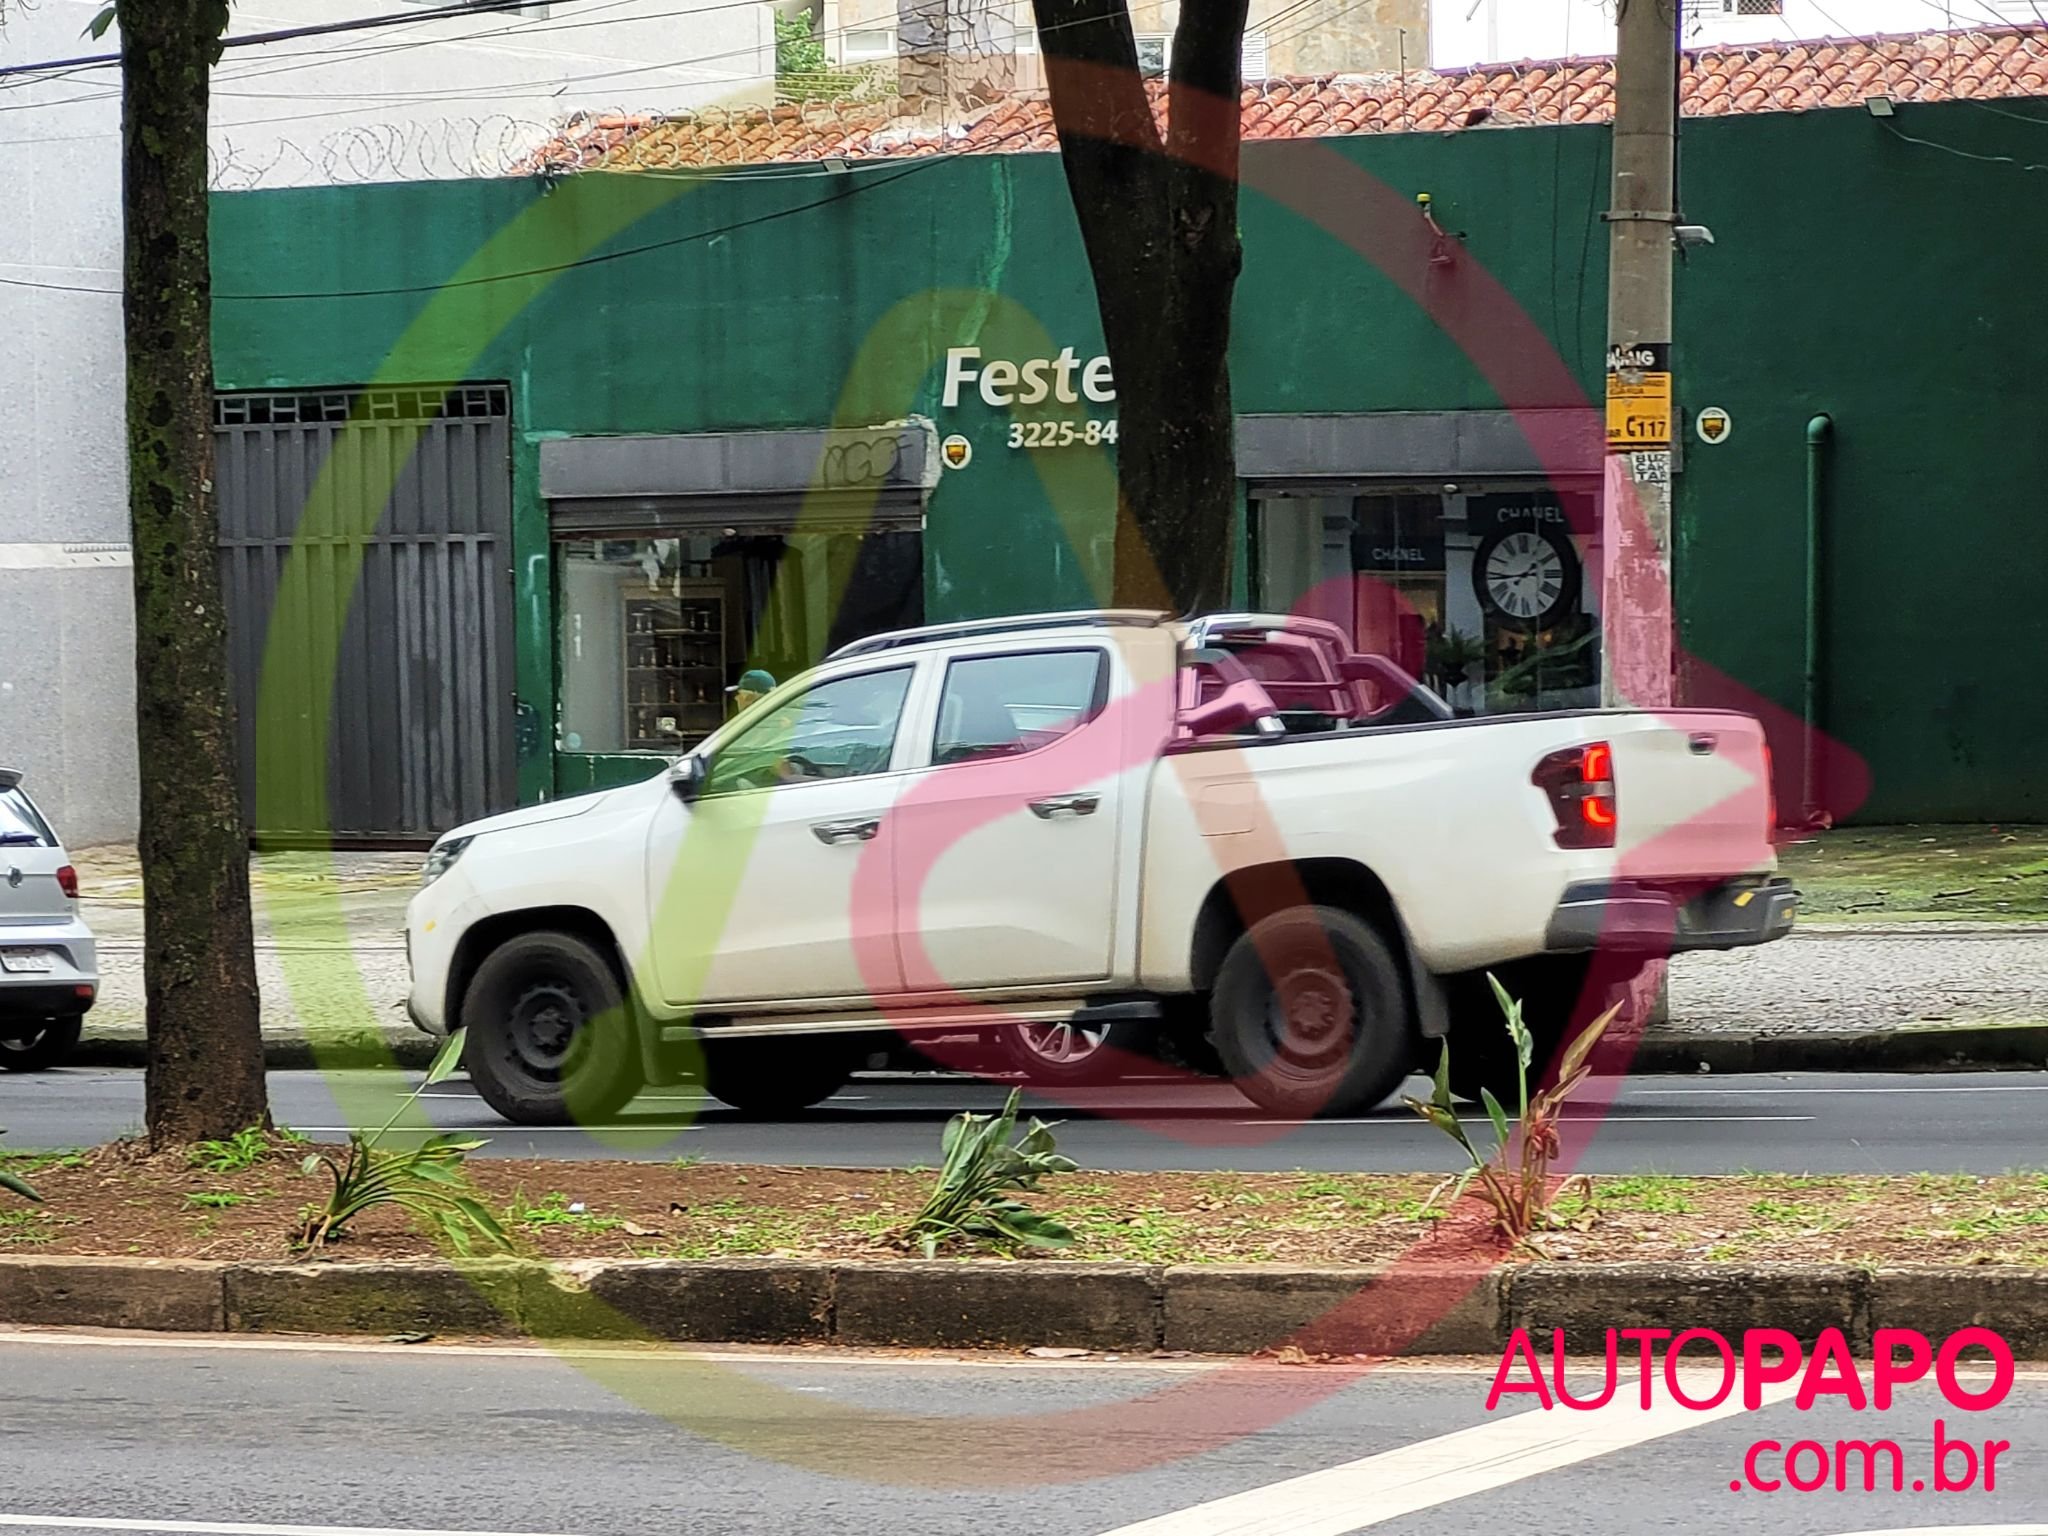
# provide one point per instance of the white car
(49, 965)
(1230, 841)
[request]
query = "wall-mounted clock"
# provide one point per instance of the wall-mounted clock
(1526, 576)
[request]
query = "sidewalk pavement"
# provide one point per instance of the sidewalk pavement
(1835, 996)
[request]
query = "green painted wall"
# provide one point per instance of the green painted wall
(1893, 285)
(1899, 289)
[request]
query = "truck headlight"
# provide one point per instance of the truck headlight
(441, 858)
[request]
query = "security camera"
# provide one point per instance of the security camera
(1690, 235)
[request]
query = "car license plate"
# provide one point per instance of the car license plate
(28, 961)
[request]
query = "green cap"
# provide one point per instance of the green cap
(754, 681)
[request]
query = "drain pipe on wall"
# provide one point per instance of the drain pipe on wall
(1819, 431)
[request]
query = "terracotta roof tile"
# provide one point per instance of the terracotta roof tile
(1771, 77)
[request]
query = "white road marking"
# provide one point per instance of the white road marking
(765, 1356)
(230, 1527)
(1611, 1121)
(1736, 1089)
(1421, 1476)
(659, 1098)
(1960, 1530)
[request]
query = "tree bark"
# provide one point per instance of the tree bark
(205, 1067)
(1158, 219)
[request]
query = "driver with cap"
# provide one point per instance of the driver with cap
(753, 684)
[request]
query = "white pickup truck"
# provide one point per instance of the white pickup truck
(1228, 841)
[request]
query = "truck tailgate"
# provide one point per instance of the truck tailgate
(1693, 795)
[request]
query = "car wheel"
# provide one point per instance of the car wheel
(770, 1078)
(1310, 1014)
(37, 1046)
(1549, 988)
(1063, 1053)
(551, 1037)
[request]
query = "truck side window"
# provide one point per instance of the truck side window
(837, 730)
(1000, 706)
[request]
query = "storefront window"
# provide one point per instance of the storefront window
(655, 630)
(1484, 591)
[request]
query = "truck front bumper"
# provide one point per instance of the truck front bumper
(1621, 916)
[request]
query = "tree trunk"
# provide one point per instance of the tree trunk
(1158, 218)
(205, 1072)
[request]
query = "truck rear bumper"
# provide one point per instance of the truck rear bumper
(1622, 916)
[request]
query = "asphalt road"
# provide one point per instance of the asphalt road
(1876, 1123)
(271, 1439)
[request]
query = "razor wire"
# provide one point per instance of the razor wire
(847, 116)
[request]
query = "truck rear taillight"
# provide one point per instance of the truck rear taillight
(1580, 784)
(67, 881)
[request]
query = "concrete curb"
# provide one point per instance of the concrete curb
(1969, 1047)
(978, 1304)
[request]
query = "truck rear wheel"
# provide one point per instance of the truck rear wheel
(1310, 1015)
(769, 1078)
(551, 1036)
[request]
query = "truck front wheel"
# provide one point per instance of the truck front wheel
(551, 1036)
(1310, 1016)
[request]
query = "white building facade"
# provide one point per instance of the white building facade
(445, 96)
(1463, 33)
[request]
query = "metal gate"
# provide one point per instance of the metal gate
(421, 732)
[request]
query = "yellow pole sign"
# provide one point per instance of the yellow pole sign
(1639, 395)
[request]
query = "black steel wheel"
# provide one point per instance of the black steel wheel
(551, 1037)
(1310, 1014)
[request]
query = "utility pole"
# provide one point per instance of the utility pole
(1637, 619)
(1636, 609)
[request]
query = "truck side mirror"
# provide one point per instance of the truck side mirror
(686, 777)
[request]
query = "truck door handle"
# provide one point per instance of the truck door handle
(833, 832)
(1065, 805)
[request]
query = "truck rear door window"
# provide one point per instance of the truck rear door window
(1000, 706)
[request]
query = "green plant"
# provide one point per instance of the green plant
(426, 1180)
(1451, 652)
(1514, 1178)
(241, 1151)
(1561, 664)
(17, 1184)
(796, 51)
(980, 1171)
(215, 1199)
(555, 1209)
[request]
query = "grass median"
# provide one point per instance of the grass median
(111, 1201)
(1906, 874)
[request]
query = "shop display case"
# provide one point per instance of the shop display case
(675, 645)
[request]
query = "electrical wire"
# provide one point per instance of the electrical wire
(288, 34)
(1961, 154)
(324, 58)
